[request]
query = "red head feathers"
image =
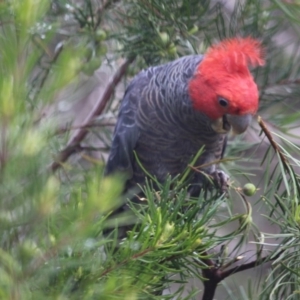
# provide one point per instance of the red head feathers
(222, 83)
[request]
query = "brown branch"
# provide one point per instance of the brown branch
(289, 81)
(97, 110)
(230, 263)
(249, 265)
(69, 128)
(273, 143)
(212, 275)
(215, 275)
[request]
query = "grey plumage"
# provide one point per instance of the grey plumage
(158, 122)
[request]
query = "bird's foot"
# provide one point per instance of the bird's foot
(221, 179)
(217, 179)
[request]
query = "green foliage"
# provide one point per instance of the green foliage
(59, 232)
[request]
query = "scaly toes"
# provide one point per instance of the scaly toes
(221, 179)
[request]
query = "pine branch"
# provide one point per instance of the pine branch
(249, 265)
(125, 261)
(215, 275)
(55, 57)
(72, 145)
(65, 129)
(273, 143)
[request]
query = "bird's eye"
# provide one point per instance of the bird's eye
(223, 102)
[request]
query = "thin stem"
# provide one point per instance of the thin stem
(105, 5)
(70, 128)
(47, 71)
(79, 135)
(135, 256)
(273, 143)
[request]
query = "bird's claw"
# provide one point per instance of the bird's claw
(218, 178)
(221, 179)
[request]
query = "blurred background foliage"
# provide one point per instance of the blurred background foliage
(63, 68)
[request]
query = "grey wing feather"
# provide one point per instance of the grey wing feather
(125, 136)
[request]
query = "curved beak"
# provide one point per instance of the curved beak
(239, 124)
